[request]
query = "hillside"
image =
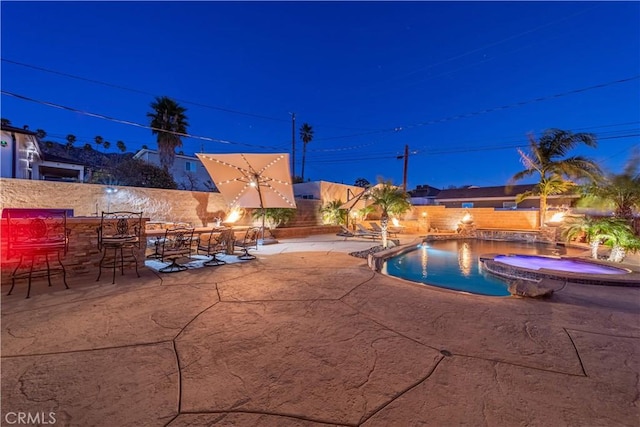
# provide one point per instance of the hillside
(54, 151)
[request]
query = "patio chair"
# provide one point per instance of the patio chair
(175, 245)
(35, 235)
(217, 243)
(363, 232)
(119, 231)
(250, 240)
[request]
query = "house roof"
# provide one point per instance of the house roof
(9, 128)
(424, 191)
(144, 151)
(473, 193)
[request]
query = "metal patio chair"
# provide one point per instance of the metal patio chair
(37, 236)
(119, 231)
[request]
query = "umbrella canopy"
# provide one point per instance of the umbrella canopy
(252, 180)
(357, 202)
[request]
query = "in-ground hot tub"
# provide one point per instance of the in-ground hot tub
(538, 267)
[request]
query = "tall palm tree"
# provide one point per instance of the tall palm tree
(121, 146)
(391, 200)
(98, 140)
(306, 134)
(168, 122)
(556, 172)
(621, 191)
(71, 139)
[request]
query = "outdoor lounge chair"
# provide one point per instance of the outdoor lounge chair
(344, 232)
(363, 232)
(376, 228)
(249, 240)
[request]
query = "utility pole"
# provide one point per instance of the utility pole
(406, 164)
(293, 146)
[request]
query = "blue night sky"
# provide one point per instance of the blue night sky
(370, 77)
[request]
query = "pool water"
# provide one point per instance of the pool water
(454, 264)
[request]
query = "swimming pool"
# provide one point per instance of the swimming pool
(454, 264)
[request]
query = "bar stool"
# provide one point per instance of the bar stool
(119, 231)
(35, 235)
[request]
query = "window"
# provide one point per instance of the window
(467, 205)
(509, 205)
(190, 166)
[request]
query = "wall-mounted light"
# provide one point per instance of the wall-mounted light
(110, 191)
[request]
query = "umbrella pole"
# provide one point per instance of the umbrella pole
(261, 207)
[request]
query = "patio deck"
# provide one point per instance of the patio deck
(307, 335)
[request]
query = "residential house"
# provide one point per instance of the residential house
(424, 195)
(187, 171)
(325, 191)
(21, 158)
(500, 197)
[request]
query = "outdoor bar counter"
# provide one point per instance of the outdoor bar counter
(83, 256)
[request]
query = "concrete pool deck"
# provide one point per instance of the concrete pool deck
(306, 335)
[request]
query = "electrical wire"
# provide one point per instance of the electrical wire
(130, 123)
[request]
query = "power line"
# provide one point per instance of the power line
(379, 156)
(72, 76)
(213, 107)
(489, 110)
(130, 123)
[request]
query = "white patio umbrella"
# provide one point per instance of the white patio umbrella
(252, 180)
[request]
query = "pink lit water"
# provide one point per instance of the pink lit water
(568, 265)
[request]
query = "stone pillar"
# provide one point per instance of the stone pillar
(467, 230)
(549, 234)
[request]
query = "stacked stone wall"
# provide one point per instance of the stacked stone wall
(201, 208)
(197, 208)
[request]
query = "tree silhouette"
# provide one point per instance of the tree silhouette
(168, 121)
(306, 134)
(71, 139)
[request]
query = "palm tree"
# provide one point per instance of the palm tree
(593, 230)
(547, 159)
(98, 140)
(623, 240)
(391, 200)
(106, 145)
(622, 191)
(613, 232)
(333, 214)
(169, 122)
(306, 134)
(41, 134)
(121, 146)
(71, 139)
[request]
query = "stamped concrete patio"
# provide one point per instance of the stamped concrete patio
(307, 335)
